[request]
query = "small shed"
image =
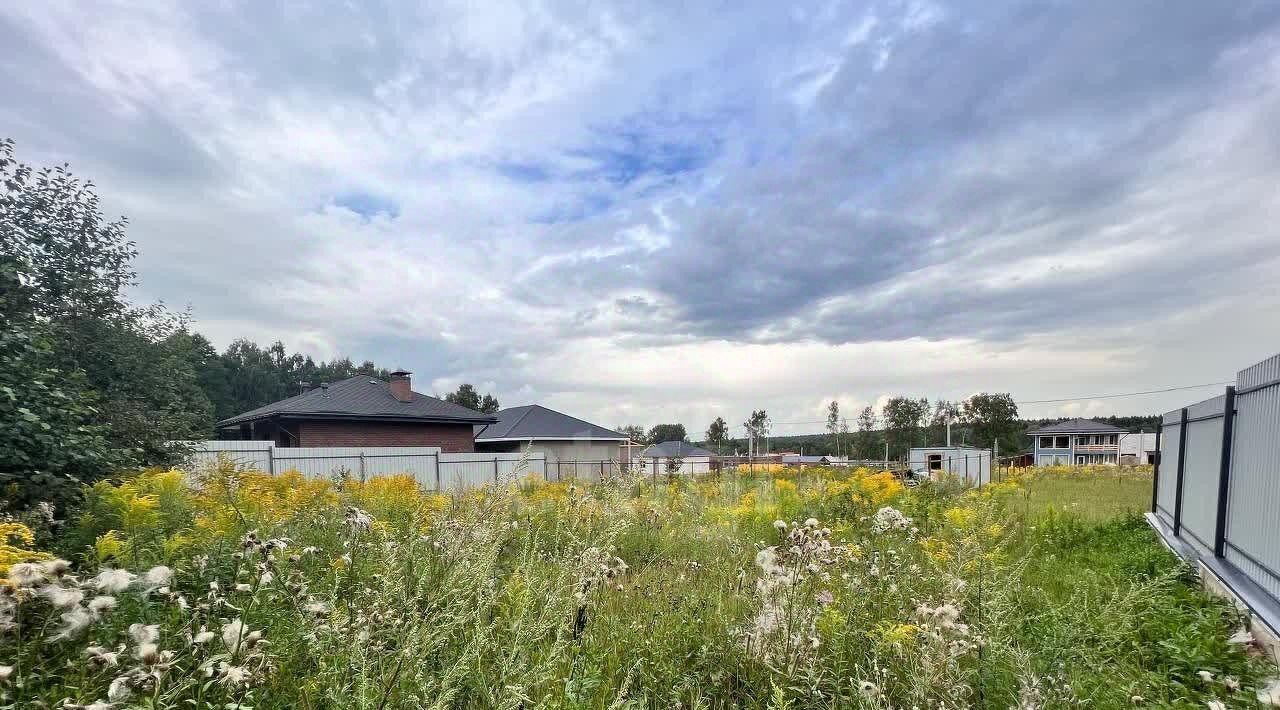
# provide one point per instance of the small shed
(967, 462)
(676, 458)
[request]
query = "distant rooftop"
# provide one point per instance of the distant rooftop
(361, 397)
(534, 421)
(1078, 426)
(674, 449)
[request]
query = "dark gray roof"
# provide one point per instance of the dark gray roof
(361, 397)
(1078, 426)
(673, 449)
(534, 421)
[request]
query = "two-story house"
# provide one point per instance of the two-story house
(1076, 442)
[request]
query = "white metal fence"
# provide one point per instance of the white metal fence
(1216, 496)
(430, 467)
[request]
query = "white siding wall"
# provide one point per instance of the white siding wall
(593, 451)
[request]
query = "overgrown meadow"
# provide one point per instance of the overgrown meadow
(818, 588)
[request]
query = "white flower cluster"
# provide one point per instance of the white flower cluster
(139, 663)
(78, 602)
(787, 623)
(946, 638)
(359, 520)
(889, 518)
(598, 569)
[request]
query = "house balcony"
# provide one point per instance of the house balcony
(1097, 448)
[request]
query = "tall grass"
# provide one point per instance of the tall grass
(832, 589)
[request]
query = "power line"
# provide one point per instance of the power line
(1127, 394)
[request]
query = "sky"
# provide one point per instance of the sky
(648, 212)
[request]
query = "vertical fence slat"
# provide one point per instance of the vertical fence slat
(1178, 480)
(1155, 470)
(1224, 474)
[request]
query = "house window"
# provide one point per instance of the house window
(1064, 442)
(1046, 442)
(1113, 439)
(935, 462)
(1082, 440)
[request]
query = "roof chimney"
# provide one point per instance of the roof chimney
(401, 386)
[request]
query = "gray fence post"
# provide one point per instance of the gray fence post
(435, 463)
(362, 478)
(1224, 474)
(1182, 469)
(1155, 469)
(495, 469)
(271, 460)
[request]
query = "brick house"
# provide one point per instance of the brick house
(361, 411)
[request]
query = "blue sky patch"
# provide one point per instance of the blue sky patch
(367, 205)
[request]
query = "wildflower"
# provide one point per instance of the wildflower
(232, 633)
(234, 676)
(119, 691)
(55, 568)
(316, 608)
(112, 581)
(1137, 699)
(203, 636)
(242, 587)
(73, 622)
(1216, 705)
(141, 633)
(1231, 684)
(780, 525)
(99, 605)
(869, 690)
(26, 574)
(824, 597)
(101, 656)
(1205, 676)
(889, 518)
(148, 653)
(61, 597)
(5, 672)
(358, 519)
(811, 523)
(158, 576)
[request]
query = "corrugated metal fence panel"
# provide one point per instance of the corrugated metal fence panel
(244, 454)
(474, 470)
(319, 461)
(1167, 492)
(1203, 468)
(417, 461)
(1253, 523)
(425, 463)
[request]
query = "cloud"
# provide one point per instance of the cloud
(640, 213)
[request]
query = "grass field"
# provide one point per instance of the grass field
(828, 589)
(1101, 494)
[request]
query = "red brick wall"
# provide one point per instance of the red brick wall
(451, 438)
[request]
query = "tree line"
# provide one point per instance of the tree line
(91, 383)
(986, 420)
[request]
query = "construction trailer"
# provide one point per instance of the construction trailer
(966, 462)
